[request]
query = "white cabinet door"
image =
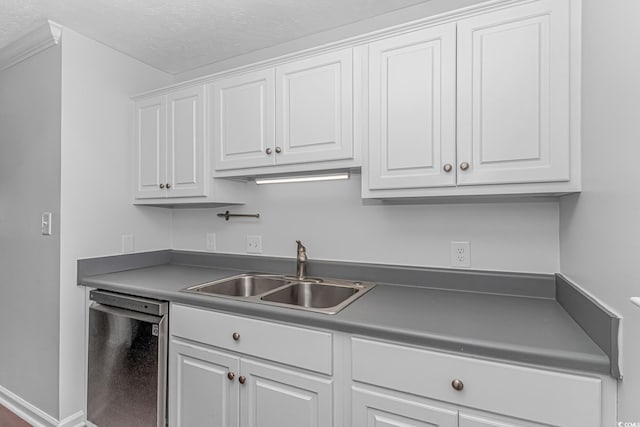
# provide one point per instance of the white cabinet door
(150, 148)
(379, 409)
(200, 391)
(274, 396)
(513, 95)
(412, 109)
(476, 419)
(314, 104)
(186, 151)
(242, 128)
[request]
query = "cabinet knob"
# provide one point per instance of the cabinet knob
(464, 166)
(457, 384)
(236, 336)
(268, 151)
(242, 379)
(161, 185)
(447, 167)
(231, 376)
(278, 150)
(168, 186)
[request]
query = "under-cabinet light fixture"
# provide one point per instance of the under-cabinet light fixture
(302, 178)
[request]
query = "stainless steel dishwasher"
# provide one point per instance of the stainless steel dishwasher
(127, 362)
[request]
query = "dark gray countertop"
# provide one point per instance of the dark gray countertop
(515, 328)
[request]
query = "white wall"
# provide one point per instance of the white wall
(96, 200)
(336, 224)
(29, 262)
(600, 229)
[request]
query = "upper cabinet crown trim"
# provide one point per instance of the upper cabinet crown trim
(34, 42)
(344, 43)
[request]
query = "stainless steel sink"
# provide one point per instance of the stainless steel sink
(244, 285)
(313, 294)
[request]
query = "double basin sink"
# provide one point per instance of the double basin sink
(320, 295)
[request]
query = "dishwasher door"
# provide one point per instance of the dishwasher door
(126, 366)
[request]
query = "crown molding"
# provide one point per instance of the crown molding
(30, 44)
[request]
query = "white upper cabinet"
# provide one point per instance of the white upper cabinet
(186, 151)
(170, 153)
(314, 106)
(486, 105)
(513, 95)
(150, 147)
(298, 113)
(412, 126)
(242, 128)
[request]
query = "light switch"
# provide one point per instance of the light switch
(46, 224)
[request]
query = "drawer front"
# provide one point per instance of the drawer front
(529, 393)
(304, 348)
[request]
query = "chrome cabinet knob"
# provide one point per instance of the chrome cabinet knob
(236, 336)
(457, 384)
(168, 186)
(278, 150)
(447, 167)
(161, 185)
(231, 376)
(268, 151)
(242, 379)
(464, 166)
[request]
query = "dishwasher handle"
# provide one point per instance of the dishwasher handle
(129, 302)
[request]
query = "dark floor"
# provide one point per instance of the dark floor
(9, 419)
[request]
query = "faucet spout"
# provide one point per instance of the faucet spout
(301, 261)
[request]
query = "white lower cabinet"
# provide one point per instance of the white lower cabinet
(477, 392)
(379, 408)
(215, 381)
(201, 393)
(275, 396)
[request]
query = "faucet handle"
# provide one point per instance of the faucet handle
(300, 246)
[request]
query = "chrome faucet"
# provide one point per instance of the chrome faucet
(301, 261)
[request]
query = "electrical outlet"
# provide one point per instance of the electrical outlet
(128, 243)
(460, 254)
(211, 241)
(254, 244)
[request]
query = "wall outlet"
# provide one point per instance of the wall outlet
(211, 241)
(254, 244)
(128, 243)
(460, 254)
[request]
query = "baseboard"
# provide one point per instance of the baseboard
(35, 416)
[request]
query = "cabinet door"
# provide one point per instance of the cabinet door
(200, 392)
(513, 95)
(314, 106)
(274, 396)
(186, 153)
(243, 120)
(379, 409)
(412, 109)
(477, 419)
(150, 148)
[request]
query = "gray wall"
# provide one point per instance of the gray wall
(30, 262)
(600, 228)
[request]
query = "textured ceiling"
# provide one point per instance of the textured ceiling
(180, 35)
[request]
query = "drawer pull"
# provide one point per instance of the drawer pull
(242, 379)
(457, 384)
(231, 376)
(236, 336)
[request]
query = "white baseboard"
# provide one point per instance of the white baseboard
(35, 416)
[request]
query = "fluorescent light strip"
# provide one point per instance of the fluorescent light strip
(307, 178)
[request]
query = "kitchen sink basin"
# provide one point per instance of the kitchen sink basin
(313, 294)
(244, 285)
